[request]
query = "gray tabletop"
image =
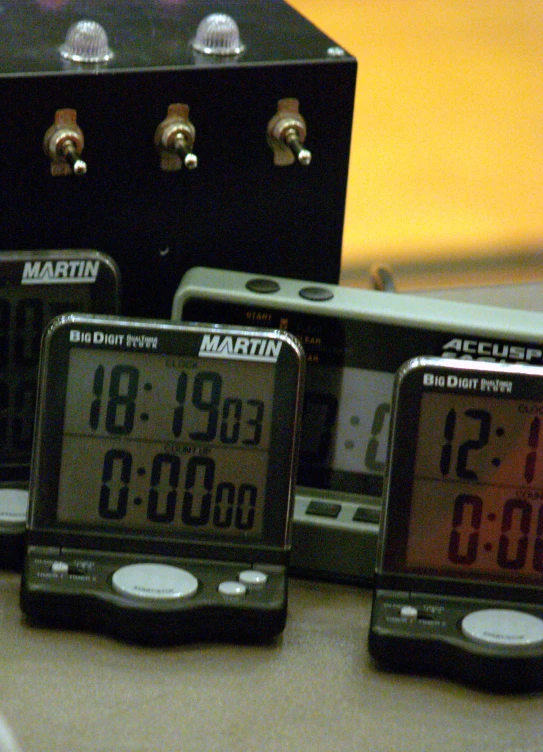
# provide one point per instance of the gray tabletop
(315, 689)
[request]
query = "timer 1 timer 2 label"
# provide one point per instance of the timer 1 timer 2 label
(167, 441)
(487, 469)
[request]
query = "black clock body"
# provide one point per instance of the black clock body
(35, 286)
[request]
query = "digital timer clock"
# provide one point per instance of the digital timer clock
(162, 479)
(355, 340)
(35, 286)
(459, 575)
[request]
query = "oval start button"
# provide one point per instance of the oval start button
(154, 581)
(503, 627)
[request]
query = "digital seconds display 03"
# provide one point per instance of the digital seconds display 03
(162, 479)
(459, 578)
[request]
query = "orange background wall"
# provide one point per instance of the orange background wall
(447, 151)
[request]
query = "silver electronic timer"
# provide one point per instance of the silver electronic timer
(162, 479)
(355, 340)
(459, 575)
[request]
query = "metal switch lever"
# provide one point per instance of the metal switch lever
(179, 144)
(292, 140)
(286, 134)
(174, 138)
(63, 144)
(69, 151)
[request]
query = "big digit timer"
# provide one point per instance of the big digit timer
(162, 479)
(459, 577)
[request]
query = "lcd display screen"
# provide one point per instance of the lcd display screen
(166, 443)
(478, 487)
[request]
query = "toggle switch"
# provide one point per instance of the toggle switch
(174, 139)
(63, 144)
(286, 134)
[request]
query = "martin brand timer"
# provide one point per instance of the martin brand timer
(176, 525)
(35, 286)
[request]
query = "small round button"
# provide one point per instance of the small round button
(504, 627)
(13, 506)
(253, 578)
(154, 581)
(316, 294)
(232, 589)
(262, 285)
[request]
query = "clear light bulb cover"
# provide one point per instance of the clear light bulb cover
(86, 42)
(218, 34)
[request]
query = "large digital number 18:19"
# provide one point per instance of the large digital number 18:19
(222, 417)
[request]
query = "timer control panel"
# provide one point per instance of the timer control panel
(189, 435)
(459, 576)
(179, 590)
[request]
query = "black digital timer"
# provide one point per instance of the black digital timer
(355, 340)
(459, 577)
(162, 476)
(35, 286)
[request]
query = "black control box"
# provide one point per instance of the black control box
(129, 128)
